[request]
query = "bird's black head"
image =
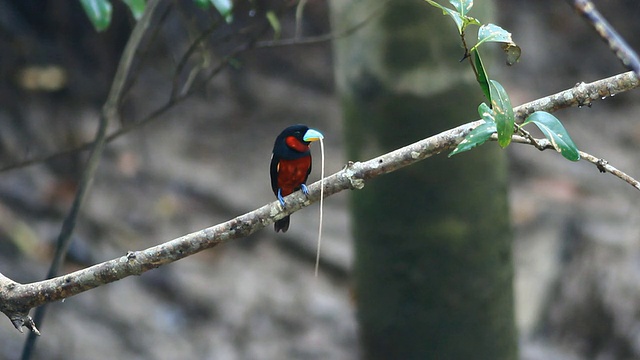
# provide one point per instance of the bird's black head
(297, 131)
(293, 142)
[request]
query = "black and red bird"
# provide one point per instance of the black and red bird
(291, 164)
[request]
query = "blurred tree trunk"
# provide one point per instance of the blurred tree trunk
(433, 266)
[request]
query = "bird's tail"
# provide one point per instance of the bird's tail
(281, 225)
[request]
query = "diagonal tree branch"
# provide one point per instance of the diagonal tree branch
(17, 299)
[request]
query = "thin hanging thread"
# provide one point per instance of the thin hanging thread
(321, 206)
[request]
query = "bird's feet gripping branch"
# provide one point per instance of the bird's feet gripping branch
(291, 164)
(303, 187)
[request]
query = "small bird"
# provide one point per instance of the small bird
(291, 165)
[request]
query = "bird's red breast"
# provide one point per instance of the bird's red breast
(292, 173)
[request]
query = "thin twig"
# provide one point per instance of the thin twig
(527, 135)
(109, 114)
(616, 43)
(198, 43)
(299, 17)
(601, 164)
(144, 51)
(309, 40)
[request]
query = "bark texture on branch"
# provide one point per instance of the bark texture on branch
(17, 299)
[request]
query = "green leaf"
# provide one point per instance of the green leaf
(503, 111)
(476, 137)
(553, 130)
(136, 7)
(486, 113)
(99, 13)
(463, 6)
(494, 33)
(455, 15)
(468, 20)
(481, 75)
(203, 4)
(480, 134)
(275, 24)
(224, 7)
(459, 15)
